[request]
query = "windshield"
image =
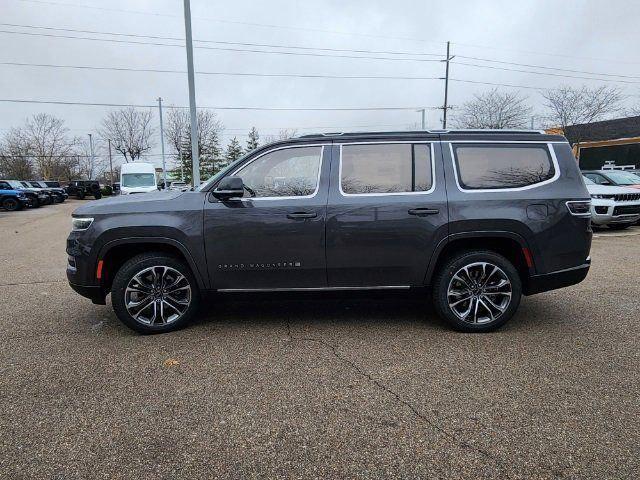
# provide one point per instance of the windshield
(588, 181)
(52, 184)
(138, 180)
(624, 178)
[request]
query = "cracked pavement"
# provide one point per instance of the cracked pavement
(348, 385)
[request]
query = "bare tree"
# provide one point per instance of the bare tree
(15, 161)
(494, 109)
(178, 133)
(130, 131)
(282, 135)
(43, 145)
(578, 108)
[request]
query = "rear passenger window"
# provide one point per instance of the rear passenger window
(385, 168)
(502, 166)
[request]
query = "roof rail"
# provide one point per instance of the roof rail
(431, 132)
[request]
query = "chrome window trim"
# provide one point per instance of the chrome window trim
(550, 149)
(285, 147)
(420, 142)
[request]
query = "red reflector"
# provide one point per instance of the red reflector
(99, 270)
(527, 256)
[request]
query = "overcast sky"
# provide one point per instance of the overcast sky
(588, 36)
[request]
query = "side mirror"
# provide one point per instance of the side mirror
(229, 187)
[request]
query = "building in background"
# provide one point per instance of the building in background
(611, 143)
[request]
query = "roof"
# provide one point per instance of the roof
(401, 133)
(605, 130)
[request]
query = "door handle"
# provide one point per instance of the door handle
(423, 212)
(298, 215)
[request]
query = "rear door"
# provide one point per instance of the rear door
(387, 212)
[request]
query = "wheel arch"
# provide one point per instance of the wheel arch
(508, 244)
(115, 253)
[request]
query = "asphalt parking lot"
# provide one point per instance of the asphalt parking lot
(317, 386)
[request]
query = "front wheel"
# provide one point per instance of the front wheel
(477, 291)
(11, 204)
(155, 293)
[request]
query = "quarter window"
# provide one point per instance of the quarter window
(502, 166)
(290, 172)
(385, 168)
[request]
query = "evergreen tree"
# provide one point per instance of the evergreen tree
(234, 151)
(252, 141)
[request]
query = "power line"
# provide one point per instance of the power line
(547, 67)
(226, 49)
(315, 109)
(246, 74)
(492, 67)
(180, 39)
(233, 22)
(459, 80)
(548, 54)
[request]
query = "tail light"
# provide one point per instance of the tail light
(580, 208)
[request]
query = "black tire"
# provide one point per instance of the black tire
(139, 264)
(35, 203)
(444, 278)
(11, 204)
(57, 199)
(80, 194)
(97, 195)
(619, 226)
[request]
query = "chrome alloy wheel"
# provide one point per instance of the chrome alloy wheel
(479, 293)
(157, 295)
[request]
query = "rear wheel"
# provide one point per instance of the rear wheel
(619, 226)
(477, 291)
(154, 293)
(11, 204)
(80, 194)
(97, 195)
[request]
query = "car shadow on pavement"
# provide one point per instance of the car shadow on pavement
(320, 308)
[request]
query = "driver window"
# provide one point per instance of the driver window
(289, 172)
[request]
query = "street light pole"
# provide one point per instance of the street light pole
(164, 163)
(93, 160)
(446, 90)
(110, 162)
(424, 123)
(195, 154)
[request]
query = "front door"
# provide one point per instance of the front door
(273, 237)
(387, 212)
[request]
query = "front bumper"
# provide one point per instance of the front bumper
(610, 212)
(95, 294)
(558, 279)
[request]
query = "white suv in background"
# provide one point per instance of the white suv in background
(615, 207)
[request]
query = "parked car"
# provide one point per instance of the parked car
(116, 188)
(480, 217)
(615, 207)
(138, 177)
(81, 188)
(178, 186)
(36, 197)
(57, 191)
(12, 200)
(617, 178)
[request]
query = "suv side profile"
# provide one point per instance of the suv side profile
(480, 218)
(82, 188)
(12, 200)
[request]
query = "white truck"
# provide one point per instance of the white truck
(138, 177)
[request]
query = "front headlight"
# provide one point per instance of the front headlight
(81, 223)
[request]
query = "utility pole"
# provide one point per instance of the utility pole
(424, 122)
(195, 154)
(446, 90)
(110, 163)
(532, 117)
(93, 159)
(164, 163)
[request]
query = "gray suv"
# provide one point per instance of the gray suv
(479, 218)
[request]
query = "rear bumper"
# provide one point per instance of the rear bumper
(557, 279)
